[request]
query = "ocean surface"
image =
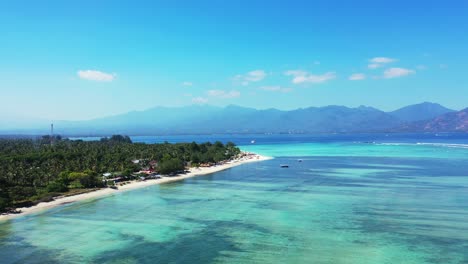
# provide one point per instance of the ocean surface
(368, 198)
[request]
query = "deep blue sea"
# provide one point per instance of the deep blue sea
(365, 198)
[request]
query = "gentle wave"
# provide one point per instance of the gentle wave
(446, 145)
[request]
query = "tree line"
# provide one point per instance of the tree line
(34, 170)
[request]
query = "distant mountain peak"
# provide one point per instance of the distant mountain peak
(233, 106)
(419, 112)
(368, 108)
(449, 122)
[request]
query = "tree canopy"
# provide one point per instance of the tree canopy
(34, 168)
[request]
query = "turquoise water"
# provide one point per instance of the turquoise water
(357, 149)
(346, 202)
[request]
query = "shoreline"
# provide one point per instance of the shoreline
(251, 157)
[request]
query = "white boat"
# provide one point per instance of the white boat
(252, 142)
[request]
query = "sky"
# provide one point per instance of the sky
(75, 60)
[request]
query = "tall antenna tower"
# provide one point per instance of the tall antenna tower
(51, 134)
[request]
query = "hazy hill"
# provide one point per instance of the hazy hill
(450, 122)
(235, 119)
(204, 119)
(417, 112)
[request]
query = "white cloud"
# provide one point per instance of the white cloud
(252, 76)
(93, 75)
(382, 60)
(397, 72)
(374, 66)
(255, 76)
(317, 62)
(276, 89)
(378, 62)
(300, 76)
(199, 100)
(187, 83)
(357, 77)
(223, 94)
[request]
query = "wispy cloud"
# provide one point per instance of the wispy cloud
(187, 83)
(199, 100)
(223, 94)
(443, 66)
(252, 76)
(94, 75)
(378, 62)
(276, 89)
(421, 67)
(382, 60)
(357, 77)
(300, 76)
(397, 72)
(374, 66)
(296, 73)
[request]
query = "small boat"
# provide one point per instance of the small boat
(252, 142)
(284, 166)
(299, 160)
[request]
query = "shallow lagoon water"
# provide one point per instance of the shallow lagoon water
(344, 203)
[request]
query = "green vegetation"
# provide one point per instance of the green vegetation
(37, 170)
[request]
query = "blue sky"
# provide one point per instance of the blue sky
(85, 59)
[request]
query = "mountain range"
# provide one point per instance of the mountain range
(449, 122)
(205, 119)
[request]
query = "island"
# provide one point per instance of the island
(52, 170)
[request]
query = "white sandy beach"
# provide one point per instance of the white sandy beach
(133, 185)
